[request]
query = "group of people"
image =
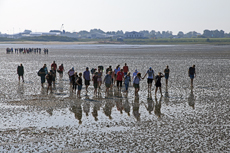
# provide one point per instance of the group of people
(51, 75)
(111, 78)
(26, 50)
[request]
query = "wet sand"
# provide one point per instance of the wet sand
(183, 120)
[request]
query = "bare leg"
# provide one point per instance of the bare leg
(106, 91)
(150, 86)
(156, 91)
(160, 91)
(136, 91)
(79, 93)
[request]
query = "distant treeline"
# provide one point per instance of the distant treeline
(151, 41)
(164, 34)
(167, 41)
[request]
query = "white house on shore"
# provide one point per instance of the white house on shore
(133, 34)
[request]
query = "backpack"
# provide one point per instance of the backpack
(191, 70)
(93, 70)
(39, 73)
(101, 67)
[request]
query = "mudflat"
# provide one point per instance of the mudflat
(184, 119)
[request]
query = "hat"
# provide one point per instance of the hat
(150, 68)
(136, 70)
(72, 68)
(87, 68)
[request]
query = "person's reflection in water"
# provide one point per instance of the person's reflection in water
(157, 110)
(126, 106)
(71, 94)
(108, 108)
(191, 99)
(96, 108)
(117, 94)
(86, 107)
(119, 105)
(166, 98)
(61, 86)
(77, 110)
(150, 104)
(136, 106)
(20, 90)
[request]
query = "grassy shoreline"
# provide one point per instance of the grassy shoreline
(180, 41)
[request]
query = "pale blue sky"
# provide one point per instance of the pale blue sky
(113, 15)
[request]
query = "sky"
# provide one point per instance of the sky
(113, 15)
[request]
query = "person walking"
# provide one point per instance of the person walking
(74, 82)
(46, 70)
(136, 82)
(20, 72)
(115, 73)
(79, 85)
(99, 78)
(120, 76)
(125, 69)
(108, 81)
(150, 78)
(54, 65)
(54, 76)
(86, 76)
(71, 73)
(166, 71)
(127, 81)
(95, 82)
(158, 83)
(49, 78)
(60, 70)
(192, 74)
(42, 74)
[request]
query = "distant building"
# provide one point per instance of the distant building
(26, 32)
(3, 35)
(120, 39)
(55, 32)
(99, 36)
(134, 34)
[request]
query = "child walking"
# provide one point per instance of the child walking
(79, 85)
(95, 82)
